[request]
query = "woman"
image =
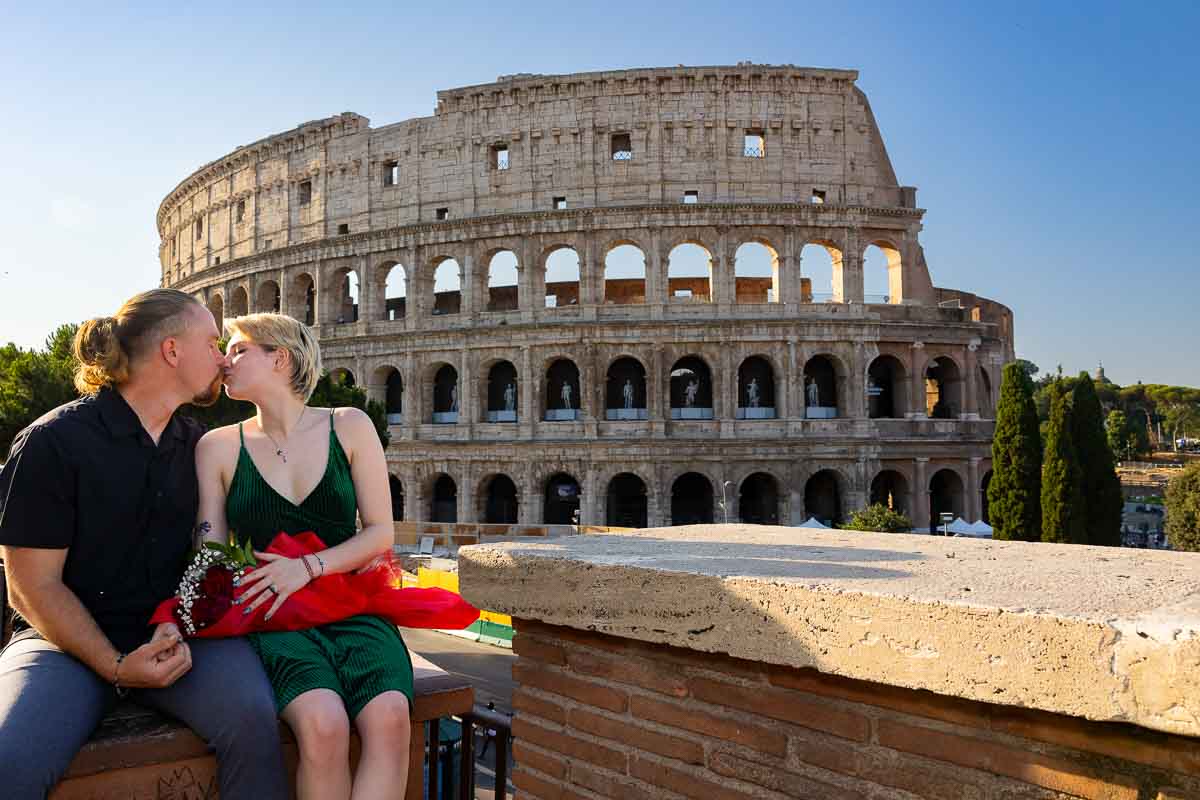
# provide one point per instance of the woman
(295, 468)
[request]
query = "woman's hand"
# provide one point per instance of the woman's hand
(276, 578)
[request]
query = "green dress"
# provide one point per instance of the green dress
(360, 657)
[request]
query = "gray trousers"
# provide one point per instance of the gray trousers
(50, 703)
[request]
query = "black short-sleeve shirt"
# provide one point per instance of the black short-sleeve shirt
(87, 477)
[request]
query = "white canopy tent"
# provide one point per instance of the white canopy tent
(813, 522)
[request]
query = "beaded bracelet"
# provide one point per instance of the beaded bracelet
(116, 681)
(311, 575)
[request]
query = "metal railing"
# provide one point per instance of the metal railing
(492, 726)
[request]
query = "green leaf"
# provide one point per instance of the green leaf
(248, 552)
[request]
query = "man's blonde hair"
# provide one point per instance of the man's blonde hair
(281, 332)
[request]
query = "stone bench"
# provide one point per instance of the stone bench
(137, 753)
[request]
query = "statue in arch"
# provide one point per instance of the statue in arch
(689, 395)
(813, 393)
(752, 393)
(510, 397)
(566, 394)
(627, 391)
(454, 397)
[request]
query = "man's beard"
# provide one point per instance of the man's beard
(209, 396)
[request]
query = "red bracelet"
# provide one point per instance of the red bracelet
(311, 575)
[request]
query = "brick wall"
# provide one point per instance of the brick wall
(598, 716)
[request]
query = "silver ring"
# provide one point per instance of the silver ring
(274, 591)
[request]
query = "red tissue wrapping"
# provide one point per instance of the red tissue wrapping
(326, 599)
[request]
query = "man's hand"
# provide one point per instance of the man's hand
(150, 666)
(166, 629)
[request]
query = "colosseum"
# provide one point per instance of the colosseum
(629, 298)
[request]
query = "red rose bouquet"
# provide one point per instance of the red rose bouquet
(204, 604)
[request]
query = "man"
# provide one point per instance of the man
(98, 499)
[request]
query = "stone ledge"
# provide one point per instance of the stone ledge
(1097, 633)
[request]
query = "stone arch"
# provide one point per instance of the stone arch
(692, 389)
(216, 305)
(444, 390)
(828, 374)
(627, 498)
(500, 388)
(887, 388)
(756, 272)
(268, 298)
(625, 388)
(447, 285)
(499, 500)
(562, 274)
(824, 495)
(502, 280)
(561, 496)
(239, 302)
(396, 486)
(691, 272)
(342, 376)
(821, 271)
(946, 494)
(443, 498)
(562, 395)
(883, 272)
(344, 282)
(943, 387)
(624, 273)
(388, 384)
(756, 388)
(392, 285)
(890, 488)
(302, 298)
(987, 407)
(759, 499)
(691, 499)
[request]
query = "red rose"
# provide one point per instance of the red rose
(217, 582)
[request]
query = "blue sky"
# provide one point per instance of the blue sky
(1054, 145)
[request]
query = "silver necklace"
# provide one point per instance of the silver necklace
(279, 451)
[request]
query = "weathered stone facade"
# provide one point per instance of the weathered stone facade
(901, 390)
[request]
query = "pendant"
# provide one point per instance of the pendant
(282, 455)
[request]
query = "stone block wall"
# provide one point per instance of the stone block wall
(600, 716)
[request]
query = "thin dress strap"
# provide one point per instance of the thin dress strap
(241, 434)
(331, 420)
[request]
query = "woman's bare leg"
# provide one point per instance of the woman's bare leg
(384, 728)
(318, 719)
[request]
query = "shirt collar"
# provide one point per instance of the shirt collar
(121, 420)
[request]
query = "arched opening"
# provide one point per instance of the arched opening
(239, 302)
(886, 388)
(822, 497)
(985, 511)
(267, 298)
(691, 500)
(627, 502)
(393, 399)
(562, 500)
(943, 389)
(882, 274)
(397, 490)
(562, 391)
(447, 287)
(502, 285)
(758, 500)
(443, 507)
(625, 275)
(302, 299)
(501, 392)
(395, 293)
(691, 389)
(986, 408)
(818, 265)
(347, 304)
(340, 376)
(689, 274)
(216, 304)
(445, 395)
(500, 503)
(625, 395)
(756, 273)
(562, 278)
(890, 488)
(756, 389)
(945, 497)
(821, 396)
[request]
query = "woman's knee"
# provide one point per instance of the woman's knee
(385, 721)
(322, 729)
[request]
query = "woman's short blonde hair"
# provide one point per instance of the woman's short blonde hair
(281, 332)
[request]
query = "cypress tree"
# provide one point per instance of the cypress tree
(1063, 513)
(1102, 499)
(1014, 493)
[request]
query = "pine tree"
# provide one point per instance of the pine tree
(1102, 499)
(1014, 493)
(1063, 515)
